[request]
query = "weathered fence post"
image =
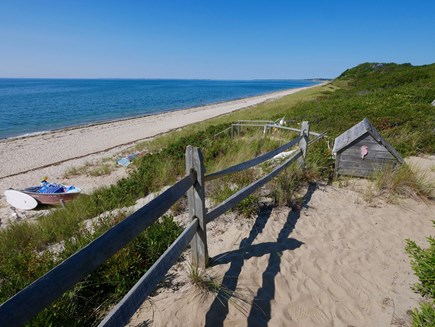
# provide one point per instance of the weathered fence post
(232, 130)
(196, 202)
(303, 143)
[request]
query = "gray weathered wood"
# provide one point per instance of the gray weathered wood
(303, 143)
(337, 163)
(272, 124)
(287, 128)
(196, 203)
(316, 134)
(348, 146)
(363, 165)
(318, 137)
(368, 140)
(124, 310)
(295, 130)
(256, 121)
(374, 132)
(243, 193)
(358, 132)
(349, 136)
(253, 162)
(367, 159)
(35, 297)
(253, 125)
(356, 152)
(225, 130)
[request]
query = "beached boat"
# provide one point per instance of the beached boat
(53, 194)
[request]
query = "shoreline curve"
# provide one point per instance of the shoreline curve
(28, 153)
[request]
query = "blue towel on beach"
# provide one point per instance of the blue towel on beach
(132, 156)
(124, 162)
(52, 188)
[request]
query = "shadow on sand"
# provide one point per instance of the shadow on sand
(260, 311)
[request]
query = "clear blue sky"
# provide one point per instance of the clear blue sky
(216, 39)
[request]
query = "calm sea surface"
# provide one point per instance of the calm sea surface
(35, 105)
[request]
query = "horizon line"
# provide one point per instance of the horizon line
(172, 79)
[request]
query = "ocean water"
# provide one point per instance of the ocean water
(36, 105)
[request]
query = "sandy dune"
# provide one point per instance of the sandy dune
(337, 262)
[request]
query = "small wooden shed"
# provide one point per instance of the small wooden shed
(361, 150)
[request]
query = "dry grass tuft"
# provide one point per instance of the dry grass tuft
(401, 182)
(209, 285)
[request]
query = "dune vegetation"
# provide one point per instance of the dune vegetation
(395, 98)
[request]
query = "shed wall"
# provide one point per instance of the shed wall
(349, 161)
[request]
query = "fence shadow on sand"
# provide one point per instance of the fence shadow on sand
(260, 311)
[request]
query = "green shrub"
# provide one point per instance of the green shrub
(222, 189)
(88, 302)
(423, 264)
(424, 316)
(286, 184)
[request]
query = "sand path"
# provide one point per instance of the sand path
(337, 262)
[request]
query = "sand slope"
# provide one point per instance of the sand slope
(337, 262)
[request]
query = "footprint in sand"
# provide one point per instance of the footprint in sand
(319, 317)
(298, 312)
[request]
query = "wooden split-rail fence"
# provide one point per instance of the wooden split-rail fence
(24, 305)
(265, 124)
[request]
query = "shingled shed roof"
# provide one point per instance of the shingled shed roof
(356, 132)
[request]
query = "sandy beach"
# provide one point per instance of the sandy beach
(58, 146)
(25, 161)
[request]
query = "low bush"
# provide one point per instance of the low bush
(423, 264)
(424, 316)
(286, 184)
(87, 303)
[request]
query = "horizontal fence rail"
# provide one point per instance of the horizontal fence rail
(254, 125)
(256, 121)
(243, 193)
(221, 132)
(252, 162)
(124, 310)
(318, 137)
(294, 129)
(34, 298)
(273, 125)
